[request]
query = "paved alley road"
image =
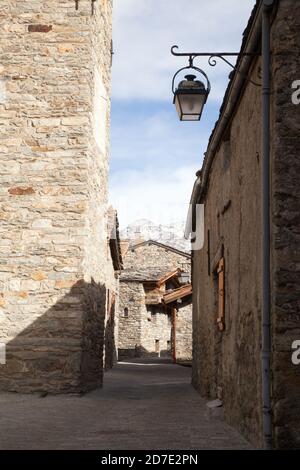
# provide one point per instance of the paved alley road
(142, 406)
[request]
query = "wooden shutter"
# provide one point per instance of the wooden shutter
(221, 294)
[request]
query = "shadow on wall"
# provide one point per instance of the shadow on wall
(110, 350)
(62, 351)
(141, 352)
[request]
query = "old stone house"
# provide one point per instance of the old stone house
(227, 271)
(56, 271)
(155, 312)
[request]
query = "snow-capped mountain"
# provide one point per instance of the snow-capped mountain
(171, 235)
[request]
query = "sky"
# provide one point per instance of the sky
(154, 156)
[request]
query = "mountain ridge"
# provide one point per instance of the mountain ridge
(169, 234)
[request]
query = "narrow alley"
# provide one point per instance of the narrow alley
(143, 405)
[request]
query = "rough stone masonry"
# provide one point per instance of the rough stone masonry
(227, 362)
(55, 59)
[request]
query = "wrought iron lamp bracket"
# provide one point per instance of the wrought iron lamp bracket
(212, 56)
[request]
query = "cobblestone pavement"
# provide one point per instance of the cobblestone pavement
(142, 406)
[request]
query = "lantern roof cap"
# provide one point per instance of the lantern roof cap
(191, 84)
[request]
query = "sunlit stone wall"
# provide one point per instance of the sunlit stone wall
(55, 266)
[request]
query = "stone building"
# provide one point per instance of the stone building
(55, 268)
(155, 312)
(111, 324)
(227, 271)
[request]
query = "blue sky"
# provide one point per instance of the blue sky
(154, 156)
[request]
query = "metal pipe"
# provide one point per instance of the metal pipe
(266, 316)
(174, 334)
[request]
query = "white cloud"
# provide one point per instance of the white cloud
(159, 195)
(154, 167)
(144, 31)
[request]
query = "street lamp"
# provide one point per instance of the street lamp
(190, 95)
(189, 98)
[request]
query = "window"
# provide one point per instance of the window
(157, 346)
(169, 345)
(126, 312)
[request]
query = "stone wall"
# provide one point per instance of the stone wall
(228, 363)
(111, 327)
(132, 297)
(286, 225)
(184, 331)
(156, 331)
(54, 269)
(154, 256)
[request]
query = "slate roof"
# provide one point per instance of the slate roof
(162, 245)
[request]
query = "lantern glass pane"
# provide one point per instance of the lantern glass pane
(190, 117)
(190, 105)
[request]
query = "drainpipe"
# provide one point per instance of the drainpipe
(174, 333)
(266, 282)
